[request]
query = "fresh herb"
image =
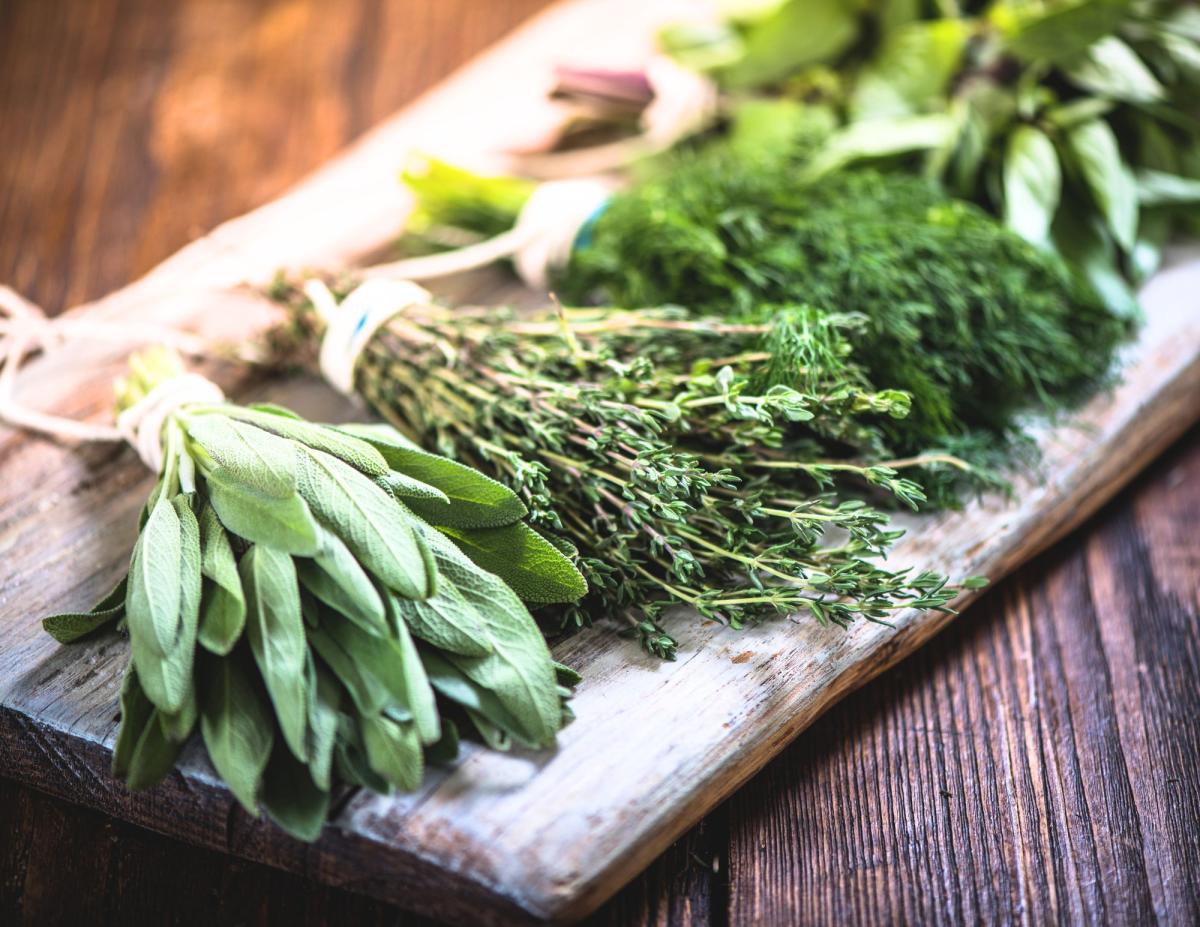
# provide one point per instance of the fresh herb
(311, 598)
(1074, 120)
(974, 323)
(686, 462)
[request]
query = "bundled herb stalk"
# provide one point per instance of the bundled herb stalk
(975, 323)
(311, 598)
(687, 462)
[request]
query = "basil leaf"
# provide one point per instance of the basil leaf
(223, 605)
(1112, 69)
(291, 799)
(276, 632)
(237, 727)
(880, 138)
(153, 593)
(72, 626)
(1058, 32)
(376, 528)
(912, 70)
(1157, 188)
(393, 751)
(282, 522)
(336, 578)
(1095, 151)
(1032, 184)
(532, 566)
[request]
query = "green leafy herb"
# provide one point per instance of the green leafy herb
(266, 604)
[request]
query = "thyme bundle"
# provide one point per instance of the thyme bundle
(972, 321)
(311, 599)
(685, 462)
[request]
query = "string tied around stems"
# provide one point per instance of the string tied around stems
(25, 330)
(352, 324)
(539, 242)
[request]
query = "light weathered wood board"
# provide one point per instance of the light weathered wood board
(495, 838)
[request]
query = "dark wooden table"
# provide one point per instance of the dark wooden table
(1039, 761)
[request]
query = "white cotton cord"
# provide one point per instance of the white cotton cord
(351, 325)
(539, 243)
(25, 329)
(142, 423)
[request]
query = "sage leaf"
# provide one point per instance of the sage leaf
(153, 756)
(393, 751)
(532, 566)
(357, 453)
(364, 664)
(153, 592)
(519, 670)
(446, 749)
(246, 455)
(335, 577)
(282, 522)
(1095, 150)
(418, 693)
(376, 528)
(324, 699)
(223, 606)
(136, 711)
(1032, 184)
(72, 626)
(178, 725)
(475, 500)
(290, 797)
(276, 632)
(237, 727)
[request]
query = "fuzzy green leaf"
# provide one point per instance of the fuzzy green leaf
(393, 751)
(336, 578)
(324, 698)
(152, 598)
(276, 632)
(290, 797)
(237, 727)
(526, 561)
(72, 626)
(282, 522)
(377, 529)
(223, 608)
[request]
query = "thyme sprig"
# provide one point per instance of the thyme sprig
(738, 469)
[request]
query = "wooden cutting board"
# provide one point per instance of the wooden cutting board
(495, 839)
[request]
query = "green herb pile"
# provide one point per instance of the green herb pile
(976, 324)
(686, 462)
(1078, 121)
(312, 599)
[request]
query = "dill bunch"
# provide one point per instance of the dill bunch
(684, 462)
(966, 316)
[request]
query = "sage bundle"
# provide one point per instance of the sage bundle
(734, 469)
(324, 604)
(975, 323)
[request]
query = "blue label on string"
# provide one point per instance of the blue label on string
(583, 237)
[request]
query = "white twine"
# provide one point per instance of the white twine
(142, 423)
(25, 330)
(539, 243)
(349, 326)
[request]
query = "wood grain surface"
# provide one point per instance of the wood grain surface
(1036, 730)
